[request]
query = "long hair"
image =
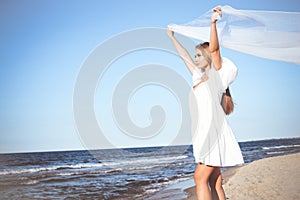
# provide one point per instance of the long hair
(205, 53)
(227, 102)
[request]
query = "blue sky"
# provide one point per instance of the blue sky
(44, 44)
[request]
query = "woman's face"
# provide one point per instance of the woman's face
(199, 58)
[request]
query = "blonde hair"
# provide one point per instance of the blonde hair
(205, 53)
(203, 48)
(227, 102)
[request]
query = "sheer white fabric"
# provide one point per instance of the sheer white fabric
(228, 72)
(197, 75)
(269, 34)
(213, 141)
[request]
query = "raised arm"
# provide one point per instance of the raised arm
(214, 46)
(182, 52)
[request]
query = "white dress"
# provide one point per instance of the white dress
(214, 143)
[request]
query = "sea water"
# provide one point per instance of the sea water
(135, 173)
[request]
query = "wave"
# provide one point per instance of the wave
(275, 152)
(281, 147)
(131, 165)
(53, 168)
(146, 160)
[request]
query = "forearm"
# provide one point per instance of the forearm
(214, 46)
(214, 42)
(182, 52)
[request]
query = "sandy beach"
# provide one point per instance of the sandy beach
(276, 178)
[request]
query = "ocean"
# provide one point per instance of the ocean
(134, 173)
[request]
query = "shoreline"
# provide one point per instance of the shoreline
(274, 178)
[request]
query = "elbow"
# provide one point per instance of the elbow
(215, 53)
(214, 50)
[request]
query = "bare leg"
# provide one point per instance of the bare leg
(215, 182)
(201, 177)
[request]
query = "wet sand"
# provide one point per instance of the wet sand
(276, 178)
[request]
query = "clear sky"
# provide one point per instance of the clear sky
(44, 44)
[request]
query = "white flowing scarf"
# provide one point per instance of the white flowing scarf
(269, 34)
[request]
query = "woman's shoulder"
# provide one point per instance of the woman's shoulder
(227, 64)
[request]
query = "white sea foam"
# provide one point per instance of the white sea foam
(281, 146)
(32, 182)
(53, 168)
(66, 174)
(153, 160)
(132, 164)
(276, 152)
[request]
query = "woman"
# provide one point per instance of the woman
(214, 144)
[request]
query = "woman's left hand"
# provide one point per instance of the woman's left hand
(216, 10)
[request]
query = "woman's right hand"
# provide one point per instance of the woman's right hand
(170, 32)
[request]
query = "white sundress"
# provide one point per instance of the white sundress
(213, 141)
